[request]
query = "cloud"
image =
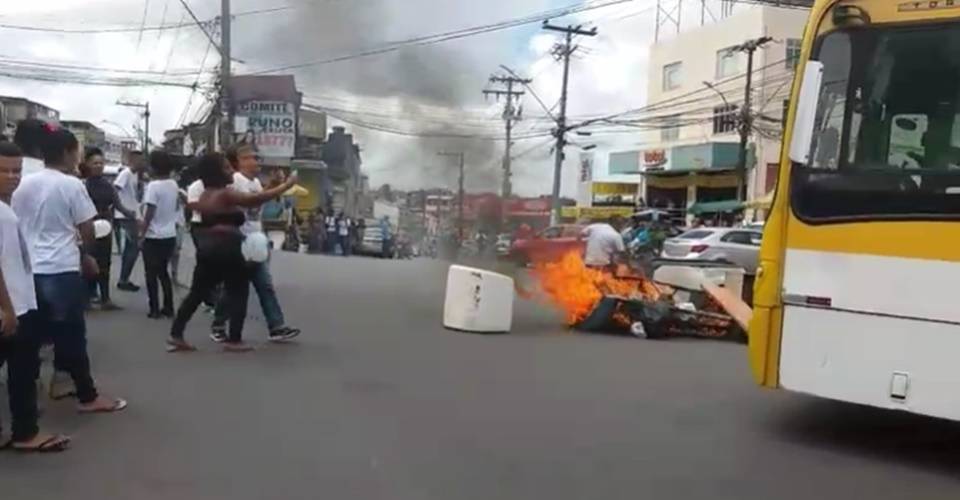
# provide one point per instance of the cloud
(417, 88)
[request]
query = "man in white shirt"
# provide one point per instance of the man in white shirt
(604, 243)
(159, 236)
(53, 207)
(20, 331)
(129, 186)
(244, 161)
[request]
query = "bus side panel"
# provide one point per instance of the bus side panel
(867, 359)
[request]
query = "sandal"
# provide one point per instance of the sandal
(53, 444)
(179, 346)
(118, 405)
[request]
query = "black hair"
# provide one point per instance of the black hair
(29, 137)
(90, 152)
(233, 153)
(57, 142)
(210, 171)
(10, 150)
(162, 163)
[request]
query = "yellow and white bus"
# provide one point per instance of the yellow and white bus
(856, 298)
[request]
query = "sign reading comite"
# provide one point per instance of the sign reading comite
(270, 126)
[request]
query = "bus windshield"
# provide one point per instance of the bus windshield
(887, 134)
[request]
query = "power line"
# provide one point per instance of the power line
(447, 36)
(132, 29)
(200, 25)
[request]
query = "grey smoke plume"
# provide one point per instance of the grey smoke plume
(451, 74)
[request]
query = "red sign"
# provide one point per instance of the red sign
(527, 206)
(654, 158)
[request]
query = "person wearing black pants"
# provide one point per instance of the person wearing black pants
(159, 234)
(156, 261)
(219, 255)
(106, 199)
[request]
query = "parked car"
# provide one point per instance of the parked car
(372, 242)
(549, 244)
(738, 246)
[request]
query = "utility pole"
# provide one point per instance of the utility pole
(146, 121)
(746, 117)
(460, 194)
(510, 115)
(226, 106)
(562, 52)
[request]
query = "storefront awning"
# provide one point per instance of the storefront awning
(711, 207)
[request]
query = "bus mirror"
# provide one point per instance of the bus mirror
(806, 113)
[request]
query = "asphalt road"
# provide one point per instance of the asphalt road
(378, 401)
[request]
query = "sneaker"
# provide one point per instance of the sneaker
(218, 335)
(283, 333)
(128, 287)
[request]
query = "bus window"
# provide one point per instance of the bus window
(887, 137)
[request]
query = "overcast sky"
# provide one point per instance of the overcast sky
(434, 84)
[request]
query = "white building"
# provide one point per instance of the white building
(695, 92)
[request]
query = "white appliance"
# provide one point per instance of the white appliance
(478, 301)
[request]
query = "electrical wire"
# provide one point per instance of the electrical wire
(445, 36)
(132, 29)
(200, 25)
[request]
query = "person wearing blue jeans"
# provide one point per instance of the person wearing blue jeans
(262, 281)
(129, 186)
(53, 207)
(243, 159)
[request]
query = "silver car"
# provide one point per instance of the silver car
(736, 245)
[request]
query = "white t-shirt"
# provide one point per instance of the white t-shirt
(194, 190)
(165, 196)
(50, 205)
(602, 242)
(15, 262)
(251, 186)
(31, 166)
(126, 184)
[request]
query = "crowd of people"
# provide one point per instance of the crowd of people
(59, 219)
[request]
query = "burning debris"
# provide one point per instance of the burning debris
(595, 300)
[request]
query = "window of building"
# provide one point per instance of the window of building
(671, 128)
(728, 62)
(671, 76)
(793, 53)
(724, 118)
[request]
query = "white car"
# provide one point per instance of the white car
(736, 245)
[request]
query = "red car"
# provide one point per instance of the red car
(548, 245)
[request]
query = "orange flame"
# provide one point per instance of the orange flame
(575, 288)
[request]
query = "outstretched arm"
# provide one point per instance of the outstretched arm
(257, 199)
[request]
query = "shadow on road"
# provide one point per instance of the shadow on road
(888, 435)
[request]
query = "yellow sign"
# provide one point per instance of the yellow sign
(594, 212)
(611, 188)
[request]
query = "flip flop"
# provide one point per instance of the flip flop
(118, 405)
(174, 346)
(54, 444)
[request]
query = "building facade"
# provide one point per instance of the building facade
(696, 90)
